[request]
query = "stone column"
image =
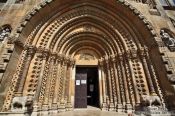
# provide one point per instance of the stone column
(47, 87)
(129, 107)
(44, 57)
(121, 84)
(70, 68)
(53, 81)
(100, 84)
(56, 93)
(63, 96)
(101, 63)
(118, 102)
(111, 102)
(15, 79)
(154, 78)
(136, 93)
(30, 53)
(147, 72)
(122, 64)
(112, 61)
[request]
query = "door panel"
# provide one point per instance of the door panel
(81, 90)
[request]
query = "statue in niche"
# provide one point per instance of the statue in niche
(86, 56)
(168, 40)
(4, 33)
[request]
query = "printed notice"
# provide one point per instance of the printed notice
(83, 81)
(77, 82)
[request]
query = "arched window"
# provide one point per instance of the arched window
(5, 30)
(168, 38)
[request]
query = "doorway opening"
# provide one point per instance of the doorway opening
(86, 87)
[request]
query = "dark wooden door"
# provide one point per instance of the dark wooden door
(81, 90)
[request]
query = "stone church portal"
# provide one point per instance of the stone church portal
(75, 53)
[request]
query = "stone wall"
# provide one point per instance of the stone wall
(14, 12)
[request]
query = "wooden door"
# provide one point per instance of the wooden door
(81, 90)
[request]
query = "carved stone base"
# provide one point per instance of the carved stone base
(69, 106)
(45, 108)
(119, 108)
(54, 107)
(155, 111)
(111, 107)
(129, 108)
(104, 107)
(61, 107)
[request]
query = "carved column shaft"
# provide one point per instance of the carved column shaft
(109, 82)
(57, 83)
(44, 58)
(150, 83)
(121, 85)
(44, 82)
(47, 90)
(154, 78)
(136, 93)
(117, 83)
(103, 82)
(53, 79)
(113, 81)
(124, 79)
(30, 53)
(15, 78)
(71, 65)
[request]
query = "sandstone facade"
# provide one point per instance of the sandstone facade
(131, 43)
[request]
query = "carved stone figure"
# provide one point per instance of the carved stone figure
(171, 78)
(148, 100)
(168, 40)
(21, 103)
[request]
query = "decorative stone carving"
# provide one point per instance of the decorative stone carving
(86, 56)
(4, 33)
(171, 78)
(22, 104)
(150, 100)
(117, 66)
(168, 40)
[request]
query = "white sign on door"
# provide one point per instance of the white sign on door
(83, 81)
(77, 82)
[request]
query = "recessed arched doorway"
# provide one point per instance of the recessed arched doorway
(86, 32)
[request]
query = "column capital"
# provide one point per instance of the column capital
(31, 50)
(53, 56)
(113, 58)
(72, 62)
(120, 56)
(45, 53)
(128, 54)
(60, 57)
(134, 53)
(142, 52)
(100, 62)
(106, 59)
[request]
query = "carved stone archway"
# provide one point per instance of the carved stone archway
(100, 28)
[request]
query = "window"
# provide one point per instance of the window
(3, 1)
(168, 4)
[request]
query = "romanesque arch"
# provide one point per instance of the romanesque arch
(112, 36)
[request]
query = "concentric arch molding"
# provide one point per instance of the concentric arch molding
(30, 21)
